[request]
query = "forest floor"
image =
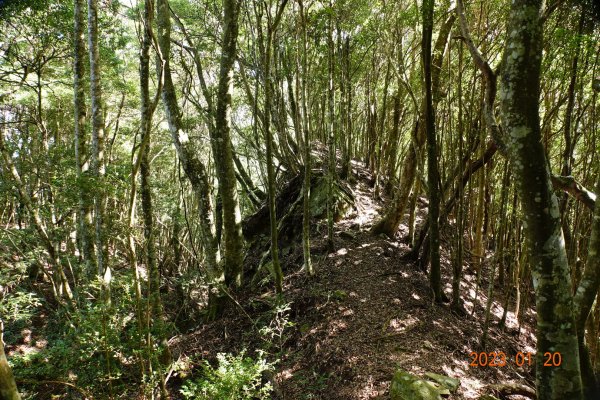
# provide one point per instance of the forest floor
(343, 333)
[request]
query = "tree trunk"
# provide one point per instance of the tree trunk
(222, 149)
(432, 166)
(306, 216)
(193, 167)
(519, 95)
(269, 142)
(154, 311)
(330, 131)
(584, 300)
(390, 222)
(84, 212)
(392, 153)
(8, 387)
(97, 165)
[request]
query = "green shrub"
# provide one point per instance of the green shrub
(235, 378)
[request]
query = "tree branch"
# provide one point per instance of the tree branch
(569, 185)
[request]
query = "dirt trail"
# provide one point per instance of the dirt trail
(366, 313)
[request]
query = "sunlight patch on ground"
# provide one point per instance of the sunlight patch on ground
(342, 252)
(471, 386)
(400, 325)
(336, 326)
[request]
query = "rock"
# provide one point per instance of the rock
(406, 386)
(449, 383)
(488, 397)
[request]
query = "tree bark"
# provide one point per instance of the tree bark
(584, 300)
(154, 311)
(432, 166)
(223, 152)
(194, 169)
(272, 27)
(330, 130)
(85, 205)
(390, 222)
(306, 215)
(8, 387)
(98, 126)
(519, 95)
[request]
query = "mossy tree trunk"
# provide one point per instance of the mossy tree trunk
(194, 169)
(584, 300)
(520, 91)
(154, 311)
(222, 149)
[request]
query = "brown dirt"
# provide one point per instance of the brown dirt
(365, 314)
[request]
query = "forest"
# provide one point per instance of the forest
(299, 199)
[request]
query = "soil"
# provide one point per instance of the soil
(366, 313)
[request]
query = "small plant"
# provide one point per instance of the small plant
(275, 330)
(235, 378)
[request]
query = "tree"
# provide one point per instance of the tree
(194, 169)
(432, 167)
(394, 212)
(520, 91)
(271, 29)
(85, 226)
(8, 387)
(222, 150)
(97, 164)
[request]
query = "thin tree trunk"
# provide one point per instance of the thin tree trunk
(269, 142)
(223, 152)
(330, 132)
(194, 169)
(393, 149)
(148, 106)
(584, 300)
(307, 161)
(84, 212)
(432, 166)
(97, 167)
(390, 222)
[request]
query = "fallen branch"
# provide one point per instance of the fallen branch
(513, 389)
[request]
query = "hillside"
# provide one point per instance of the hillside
(367, 312)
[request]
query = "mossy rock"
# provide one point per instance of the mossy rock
(343, 199)
(406, 386)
